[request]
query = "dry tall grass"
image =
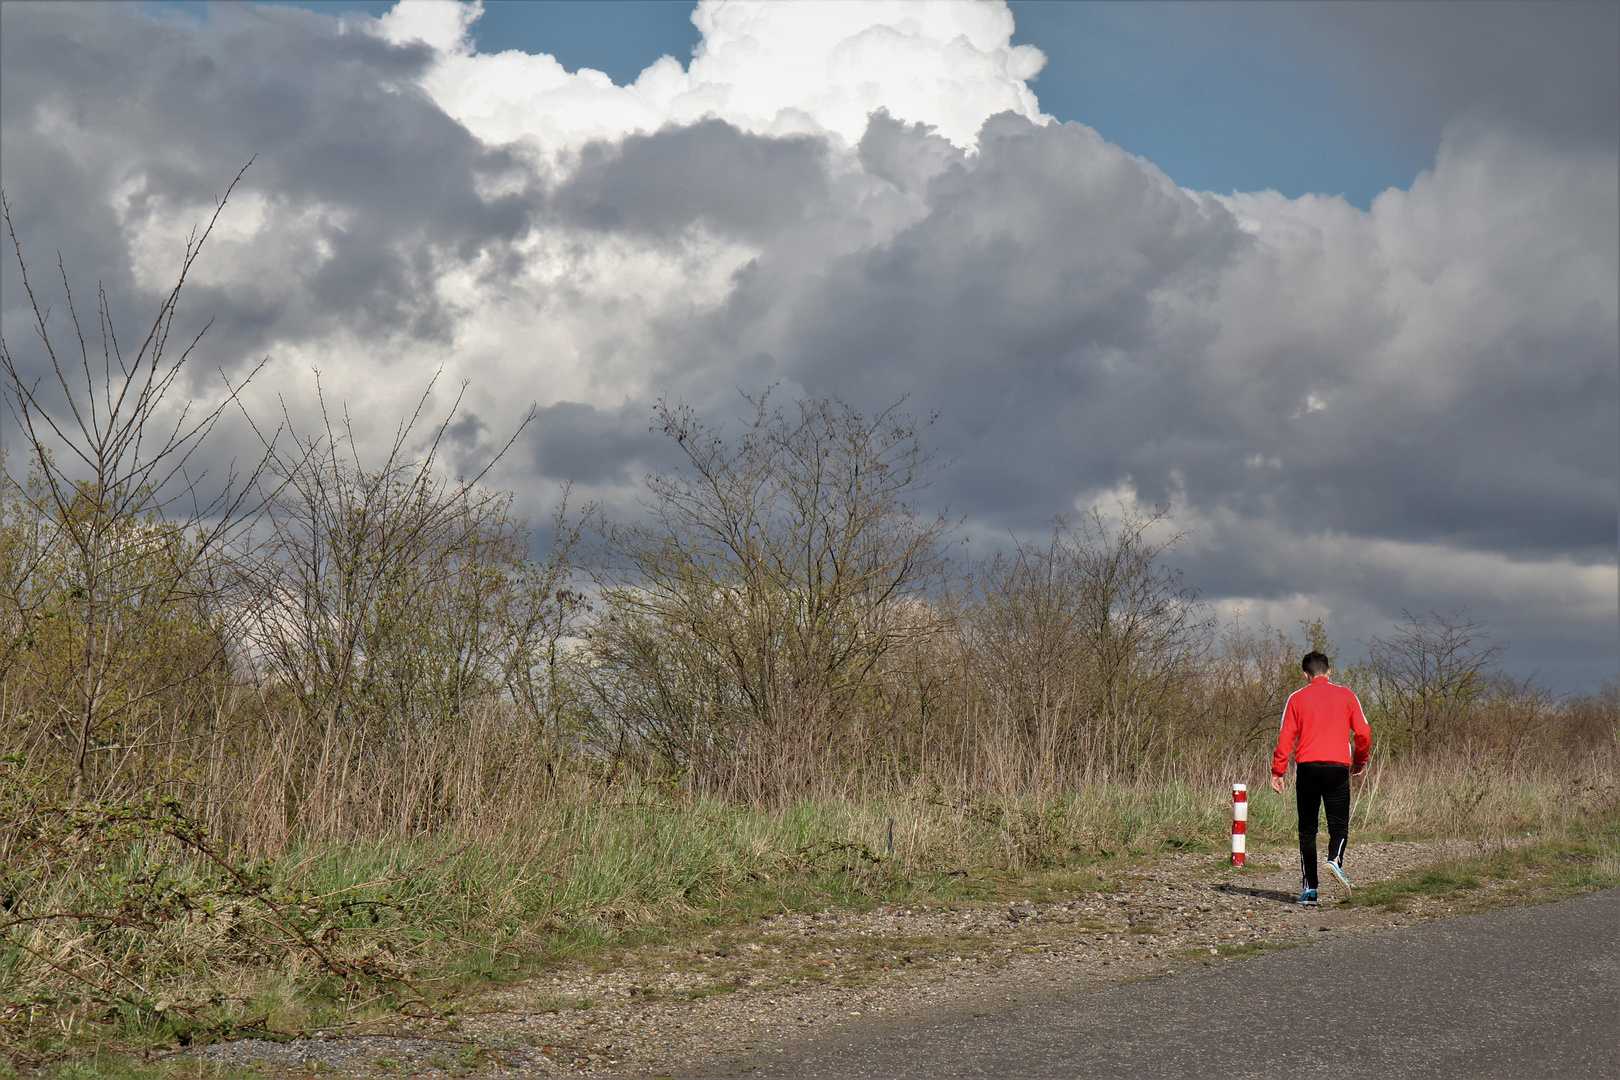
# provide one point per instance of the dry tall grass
(132, 927)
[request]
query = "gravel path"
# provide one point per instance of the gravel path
(781, 987)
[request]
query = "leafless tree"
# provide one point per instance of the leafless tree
(390, 601)
(135, 526)
(1089, 642)
(753, 606)
(1431, 670)
(1249, 677)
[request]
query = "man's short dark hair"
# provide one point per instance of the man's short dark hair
(1315, 664)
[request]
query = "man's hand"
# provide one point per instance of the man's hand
(1359, 769)
(1276, 784)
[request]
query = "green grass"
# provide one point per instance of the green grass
(1397, 894)
(1580, 857)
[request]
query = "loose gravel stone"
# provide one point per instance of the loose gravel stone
(352, 1054)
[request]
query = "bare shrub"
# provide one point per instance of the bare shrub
(1248, 680)
(1429, 673)
(1590, 722)
(393, 609)
(749, 614)
(1088, 646)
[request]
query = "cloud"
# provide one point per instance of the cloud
(595, 447)
(1545, 70)
(765, 67)
(121, 130)
(1411, 406)
(1439, 367)
(708, 174)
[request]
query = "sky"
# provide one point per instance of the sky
(1336, 282)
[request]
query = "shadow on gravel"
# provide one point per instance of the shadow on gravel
(1264, 894)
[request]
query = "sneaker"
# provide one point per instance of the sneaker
(1338, 873)
(1307, 897)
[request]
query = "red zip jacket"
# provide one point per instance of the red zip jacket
(1322, 719)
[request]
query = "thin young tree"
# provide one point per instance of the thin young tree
(137, 525)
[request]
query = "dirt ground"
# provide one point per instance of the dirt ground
(747, 995)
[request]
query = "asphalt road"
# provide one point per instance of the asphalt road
(1523, 993)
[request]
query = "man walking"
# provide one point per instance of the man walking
(1318, 727)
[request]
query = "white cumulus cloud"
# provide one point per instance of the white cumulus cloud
(763, 66)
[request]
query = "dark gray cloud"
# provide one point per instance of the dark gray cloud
(708, 174)
(1080, 323)
(1023, 307)
(1057, 305)
(1548, 70)
(906, 155)
(575, 442)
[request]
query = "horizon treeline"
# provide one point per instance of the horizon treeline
(325, 648)
(348, 651)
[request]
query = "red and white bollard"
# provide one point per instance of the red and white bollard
(1240, 821)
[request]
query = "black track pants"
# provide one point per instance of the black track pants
(1317, 783)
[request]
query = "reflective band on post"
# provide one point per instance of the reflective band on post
(1240, 821)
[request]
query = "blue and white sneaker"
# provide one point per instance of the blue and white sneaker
(1307, 897)
(1338, 873)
